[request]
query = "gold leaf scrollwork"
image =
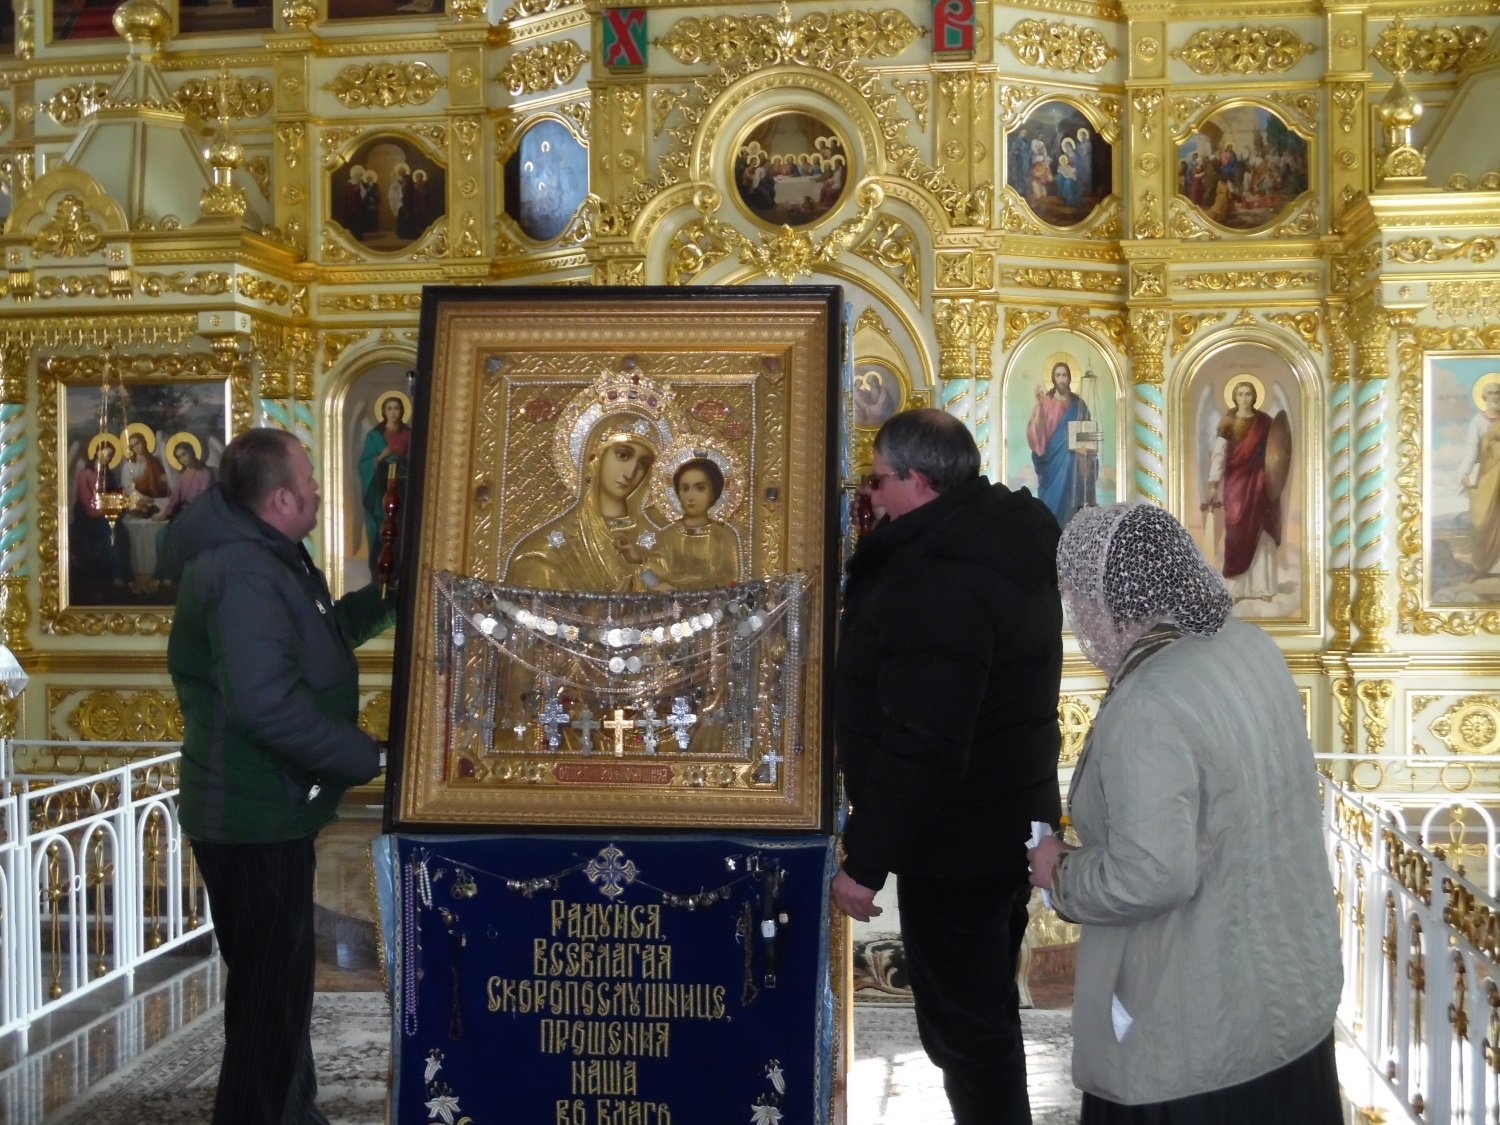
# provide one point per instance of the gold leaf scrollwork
(382, 85)
(1085, 281)
(1411, 251)
(241, 97)
(1186, 325)
(1014, 101)
(1015, 216)
(1059, 46)
(1342, 688)
(1144, 103)
(72, 104)
(918, 95)
(1148, 344)
(788, 253)
(542, 68)
(1148, 222)
(695, 248)
(1184, 107)
(1434, 50)
(1188, 225)
(1347, 97)
(892, 246)
(818, 39)
(1017, 321)
(1470, 726)
(71, 233)
(1465, 300)
(1375, 702)
(1303, 325)
(1243, 50)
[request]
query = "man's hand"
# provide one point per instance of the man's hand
(853, 899)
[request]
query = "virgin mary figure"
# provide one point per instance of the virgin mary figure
(590, 546)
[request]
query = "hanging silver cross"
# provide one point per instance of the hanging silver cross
(585, 724)
(679, 720)
(551, 716)
(770, 759)
(650, 726)
(610, 873)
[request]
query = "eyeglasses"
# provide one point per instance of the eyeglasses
(875, 480)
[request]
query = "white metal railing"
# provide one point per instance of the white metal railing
(1421, 940)
(94, 877)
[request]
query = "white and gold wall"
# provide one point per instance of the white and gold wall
(219, 216)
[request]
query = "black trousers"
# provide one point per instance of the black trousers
(1303, 1092)
(262, 901)
(962, 938)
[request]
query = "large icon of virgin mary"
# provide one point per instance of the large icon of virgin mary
(651, 501)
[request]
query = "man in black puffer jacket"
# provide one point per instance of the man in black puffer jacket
(950, 656)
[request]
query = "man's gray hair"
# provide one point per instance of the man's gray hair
(255, 464)
(934, 443)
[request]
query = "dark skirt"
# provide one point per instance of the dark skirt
(1303, 1092)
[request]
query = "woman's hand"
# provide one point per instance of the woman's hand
(1043, 860)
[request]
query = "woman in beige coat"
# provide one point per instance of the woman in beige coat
(1208, 968)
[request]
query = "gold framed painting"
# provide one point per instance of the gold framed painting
(1450, 481)
(128, 443)
(617, 605)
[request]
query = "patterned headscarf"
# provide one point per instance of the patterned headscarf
(1127, 568)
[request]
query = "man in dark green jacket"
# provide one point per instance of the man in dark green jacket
(262, 660)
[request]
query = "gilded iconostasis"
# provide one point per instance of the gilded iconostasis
(1239, 260)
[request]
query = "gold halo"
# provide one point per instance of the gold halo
(1481, 383)
(177, 439)
(380, 401)
(148, 435)
(1070, 359)
(1236, 380)
(104, 438)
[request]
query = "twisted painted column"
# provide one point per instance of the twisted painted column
(986, 320)
(13, 494)
(1340, 506)
(1149, 452)
(1148, 459)
(1372, 611)
(955, 359)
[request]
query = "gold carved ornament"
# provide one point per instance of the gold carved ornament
(72, 104)
(1018, 321)
(542, 68)
(1243, 50)
(238, 97)
(1412, 251)
(1375, 697)
(892, 246)
(1470, 726)
(789, 254)
(1433, 50)
(818, 39)
(1148, 344)
(115, 716)
(384, 85)
(1058, 46)
(71, 233)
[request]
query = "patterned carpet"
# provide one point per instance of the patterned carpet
(173, 1083)
(891, 1082)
